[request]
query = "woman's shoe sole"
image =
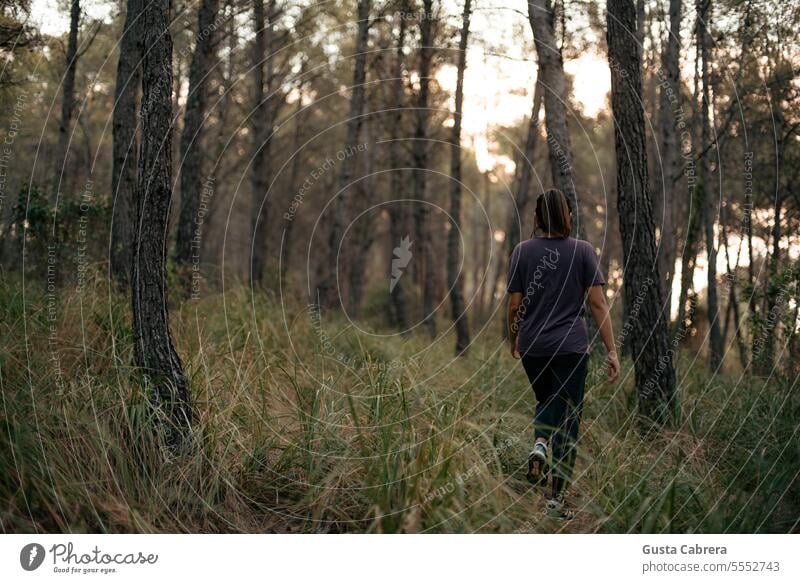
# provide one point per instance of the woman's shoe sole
(559, 515)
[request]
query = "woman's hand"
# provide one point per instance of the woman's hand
(514, 351)
(612, 367)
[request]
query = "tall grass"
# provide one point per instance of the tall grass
(304, 427)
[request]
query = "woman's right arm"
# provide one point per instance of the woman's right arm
(514, 303)
(599, 307)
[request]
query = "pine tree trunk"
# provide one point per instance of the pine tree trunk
(694, 212)
(398, 209)
(363, 229)
(655, 377)
(288, 229)
(263, 122)
(515, 229)
(125, 143)
(187, 248)
(67, 105)
(733, 302)
(420, 157)
(640, 20)
(326, 289)
(516, 219)
(154, 352)
(454, 280)
(689, 261)
(764, 359)
(551, 67)
(670, 108)
(709, 206)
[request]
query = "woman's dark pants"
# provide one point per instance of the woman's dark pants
(558, 382)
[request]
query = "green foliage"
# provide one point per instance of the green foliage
(63, 243)
(33, 215)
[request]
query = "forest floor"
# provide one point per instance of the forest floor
(308, 428)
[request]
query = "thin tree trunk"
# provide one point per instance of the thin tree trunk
(363, 230)
(751, 303)
(732, 273)
(225, 74)
(420, 156)
(733, 302)
(524, 172)
(695, 215)
(640, 21)
(326, 288)
(689, 261)
(125, 144)
(792, 364)
(187, 248)
(775, 287)
(487, 254)
(67, 103)
(398, 210)
(288, 228)
(87, 140)
(263, 122)
(551, 67)
(655, 377)
(765, 359)
(477, 248)
(211, 248)
(153, 351)
(670, 110)
(482, 237)
(516, 221)
(454, 280)
(709, 206)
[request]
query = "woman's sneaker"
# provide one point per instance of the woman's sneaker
(557, 510)
(537, 465)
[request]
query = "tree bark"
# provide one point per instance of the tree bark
(153, 351)
(733, 302)
(398, 209)
(263, 122)
(525, 166)
(640, 28)
(522, 198)
(420, 157)
(288, 228)
(655, 377)
(670, 110)
(716, 347)
(454, 279)
(551, 68)
(187, 248)
(125, 144)
(363, 230)
(689, 260)
(67, 102)
(694, 213)
(326, 289)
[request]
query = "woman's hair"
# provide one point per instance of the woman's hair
(553, 213)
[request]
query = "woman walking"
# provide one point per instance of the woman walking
(549, 278)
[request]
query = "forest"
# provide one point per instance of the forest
(254, 256)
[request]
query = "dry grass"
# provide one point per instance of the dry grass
(309, 429)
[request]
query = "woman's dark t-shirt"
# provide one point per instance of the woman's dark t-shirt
(553, 276)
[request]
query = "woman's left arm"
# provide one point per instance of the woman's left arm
(597, 302)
